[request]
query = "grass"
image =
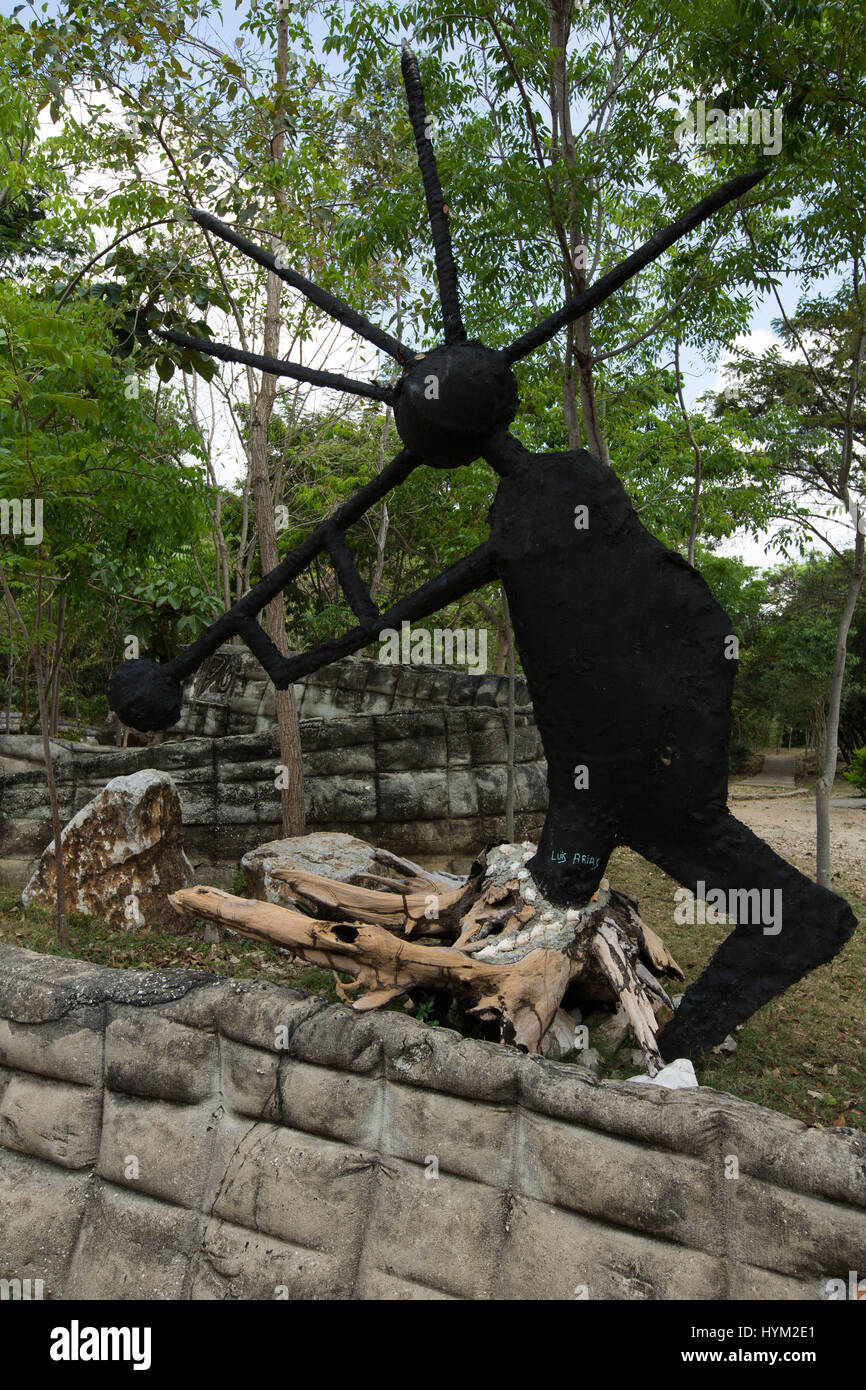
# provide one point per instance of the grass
(803, 1054)
(153, 948)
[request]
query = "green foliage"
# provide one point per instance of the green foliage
(856, 772)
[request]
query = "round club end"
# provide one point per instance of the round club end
(144, 696)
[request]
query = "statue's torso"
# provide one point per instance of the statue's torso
(622, 644)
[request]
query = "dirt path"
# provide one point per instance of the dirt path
(788, 824)
(778, 771)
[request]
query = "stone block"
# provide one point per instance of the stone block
(316, 1100)
(132, 1247)
(462, 793)
(412, 754)
(552, 1254)
(427, 1230)
(68, 1048)
(158, 1148)
(412, 795)
(795, 1234)
(51, 1119)
(261, 1014)
(342, 799)
(41, 1208)
(654, 1192)
(466, 1138)
(146, 1055)
(236, 1263)
(304, 1190)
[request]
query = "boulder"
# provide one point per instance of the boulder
(328, 853)
(122, 853)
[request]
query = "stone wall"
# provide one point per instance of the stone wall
(430, 781)
(168, 1135)
(230, 693)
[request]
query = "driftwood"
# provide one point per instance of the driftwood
(513, 955)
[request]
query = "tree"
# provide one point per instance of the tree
(75, 443)
(809, 415)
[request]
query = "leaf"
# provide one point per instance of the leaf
(81, 407)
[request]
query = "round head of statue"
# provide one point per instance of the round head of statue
(452, 400)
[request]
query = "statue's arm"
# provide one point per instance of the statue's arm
(471, 572)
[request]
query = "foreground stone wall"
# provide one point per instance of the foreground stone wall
(427, 782)
(169, 1135)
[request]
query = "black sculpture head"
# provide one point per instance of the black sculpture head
(452, 400)
(453, 404)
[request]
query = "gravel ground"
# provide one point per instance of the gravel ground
(788, 824)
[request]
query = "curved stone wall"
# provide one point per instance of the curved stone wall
(169, 1135)
(230, 693)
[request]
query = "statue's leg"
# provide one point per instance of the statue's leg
(573, 849)
(786, 924)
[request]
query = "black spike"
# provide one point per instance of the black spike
(331, 305)
(277, 367)
(650, 251)
(446, 270)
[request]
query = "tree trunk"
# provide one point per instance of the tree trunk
(291, 778)
(10, 671)
(44, 716)
(696, 450)
(578, 345)
(35, 650)
(509, 764)
(56, 666)
(382, 533)
(824, 785)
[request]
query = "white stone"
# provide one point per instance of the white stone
(329, 853)
(559, 1039)
(676, 1076)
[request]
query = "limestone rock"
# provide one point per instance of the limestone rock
(559, 1040)
(123, 854)
(332, 854)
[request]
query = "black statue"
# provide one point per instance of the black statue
(627, 656)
